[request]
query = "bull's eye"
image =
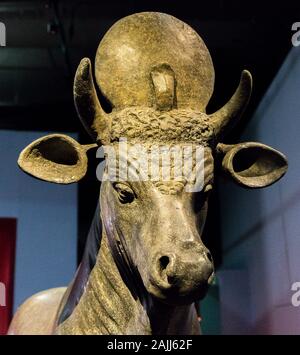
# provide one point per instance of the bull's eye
(125, 193)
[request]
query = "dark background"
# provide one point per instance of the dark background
(47, 39)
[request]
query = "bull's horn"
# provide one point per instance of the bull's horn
(88, 107)
(229, 113)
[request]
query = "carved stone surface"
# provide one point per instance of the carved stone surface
(149, 262)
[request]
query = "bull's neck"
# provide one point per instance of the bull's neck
(108, 307)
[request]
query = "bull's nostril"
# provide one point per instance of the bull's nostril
(209, 257)
(164, 261)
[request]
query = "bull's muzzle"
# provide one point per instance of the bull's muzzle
(182, 275)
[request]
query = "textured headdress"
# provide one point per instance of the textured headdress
(158, 76)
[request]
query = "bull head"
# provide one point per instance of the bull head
(158, 76)
(60, 159)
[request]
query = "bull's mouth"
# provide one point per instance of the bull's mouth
(176, 295)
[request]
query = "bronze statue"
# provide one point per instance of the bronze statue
(151, 265)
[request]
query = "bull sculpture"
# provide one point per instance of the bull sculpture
(145, 263)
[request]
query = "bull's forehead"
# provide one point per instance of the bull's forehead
(145, 124)
(170, 168)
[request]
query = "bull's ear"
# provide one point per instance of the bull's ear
(55, 158)
(252, 164)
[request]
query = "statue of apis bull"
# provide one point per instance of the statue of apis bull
(145, 264)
